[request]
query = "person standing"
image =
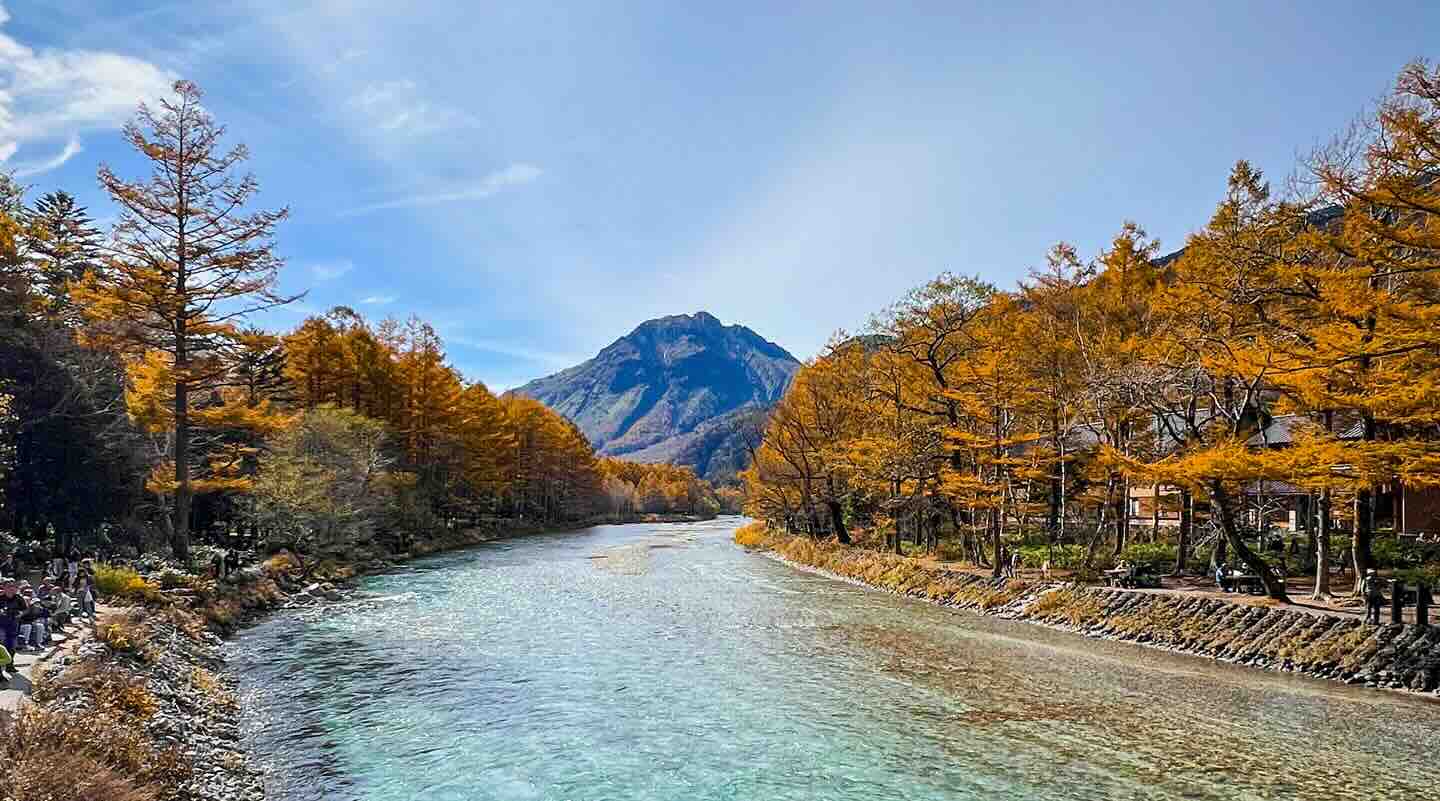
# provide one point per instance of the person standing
(72, 564)
(12, 606)
(1015, 564)
(86, 594)
(1374, 596)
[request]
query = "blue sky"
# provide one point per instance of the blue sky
(537, 178)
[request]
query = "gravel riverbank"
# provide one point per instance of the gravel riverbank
(1401, 657)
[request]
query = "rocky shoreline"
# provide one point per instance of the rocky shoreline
(156, 677)
(157, 683)
(1400, 657)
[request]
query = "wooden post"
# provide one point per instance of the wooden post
(1422, 604)
(1397, 601)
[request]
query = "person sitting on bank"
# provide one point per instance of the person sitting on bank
(1374, 596)
(33, 620)
(1222, 577)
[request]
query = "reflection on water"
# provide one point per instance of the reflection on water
(661, 662)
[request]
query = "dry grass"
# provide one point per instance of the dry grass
(53, 756)
(995, 597)
(128, 631)
(1075, 606)
(228, 606)
(281, 564)
(1350, 649)
(210, 684)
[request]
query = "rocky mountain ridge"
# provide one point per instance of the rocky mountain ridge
(682, 389)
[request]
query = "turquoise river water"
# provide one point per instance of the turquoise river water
(650, 662)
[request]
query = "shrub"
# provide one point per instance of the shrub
(124, 584)
(1425, 574)
(281, 564)
(226, 607)
(127, 632)
(1151, 555)
(752, 535)
(1063, 557)
(177, 580)
(1393, 552)
(127, 696)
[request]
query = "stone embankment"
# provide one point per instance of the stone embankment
(143, 708)
(1296, 640)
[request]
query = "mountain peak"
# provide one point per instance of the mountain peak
(700, 319)
(661, 392)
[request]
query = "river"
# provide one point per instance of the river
(662, 662)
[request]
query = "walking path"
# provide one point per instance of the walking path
(1342, 604)
(14, 692)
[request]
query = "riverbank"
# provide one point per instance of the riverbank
(143, 706)
(1288, 639)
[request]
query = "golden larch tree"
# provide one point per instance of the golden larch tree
(188, 262)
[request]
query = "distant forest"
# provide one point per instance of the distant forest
(140, 407)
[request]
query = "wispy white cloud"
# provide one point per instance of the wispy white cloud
(331, 270)
(522, 352)
(495, 182)
(400, 107)
(53, 93)
(71, 149)
(378, 300)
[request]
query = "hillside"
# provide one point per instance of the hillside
(680, 389)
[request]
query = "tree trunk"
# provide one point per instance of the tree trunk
(180, 526)
(1361, 536)
(837, 519)
(1155, 513)
(1312, 542)
(1122, 514)
(1274, 586)
(995, 545)
(1100, 523)
(1322, 550)
(1182, 541)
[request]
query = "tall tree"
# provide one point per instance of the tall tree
(64, 245)
(188, 263)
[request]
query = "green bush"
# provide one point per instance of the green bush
(1063, 557)
(1153, 556)
(1395, 553)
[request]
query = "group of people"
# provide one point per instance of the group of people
(1010, 567)
(29, 614)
